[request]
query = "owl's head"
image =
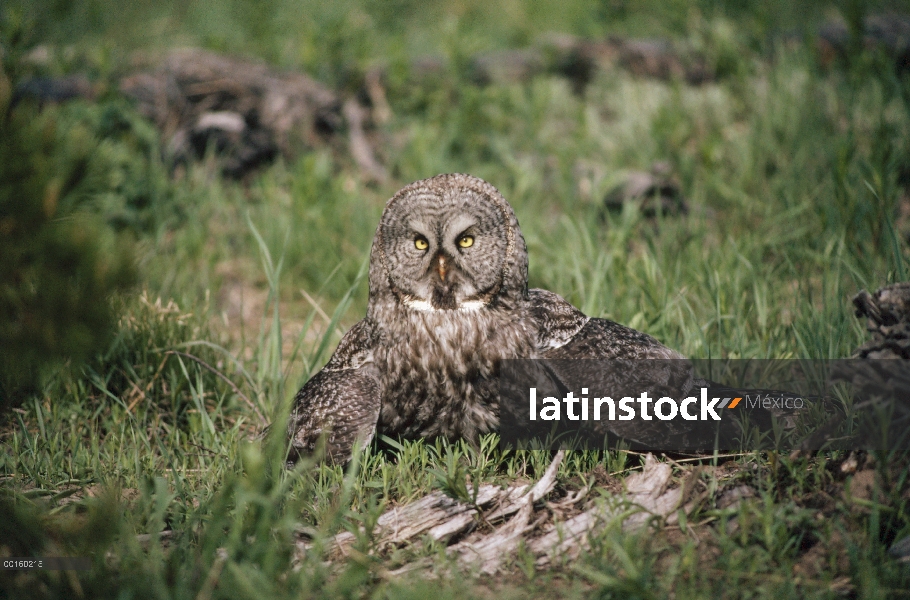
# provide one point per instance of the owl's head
(450, 242)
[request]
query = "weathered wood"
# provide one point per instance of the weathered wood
(887, 314)
(646, 496)
(436, 515)
(246, 110)
(361, 150)
(485, 535)
(886, 33)
(653, 192)
(489, 552)
(881, 386)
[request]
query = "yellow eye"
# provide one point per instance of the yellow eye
(466, 241)
(421, 244)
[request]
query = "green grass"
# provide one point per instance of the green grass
(793, 176)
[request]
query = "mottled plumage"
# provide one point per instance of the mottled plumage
(448, 301)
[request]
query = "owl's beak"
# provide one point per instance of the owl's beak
(441, 266)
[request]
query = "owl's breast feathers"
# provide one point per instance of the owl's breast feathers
(439, 369)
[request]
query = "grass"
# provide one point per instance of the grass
(144, 458)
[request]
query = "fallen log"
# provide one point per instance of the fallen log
(485, 535)
(244, 110)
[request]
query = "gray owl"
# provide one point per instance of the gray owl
(449, 300)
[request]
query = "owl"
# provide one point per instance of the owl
(448, 302)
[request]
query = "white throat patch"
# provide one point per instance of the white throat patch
(424, 306)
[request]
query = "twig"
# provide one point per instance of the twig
(382, 112)
(370, 563)
(148, 387)
(222, 376)
(710, 457)
(682, 460)
(355, 115)
(208, 451)
(211, 580)
(138, 394)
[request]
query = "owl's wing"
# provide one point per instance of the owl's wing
(341, 402)
(564, 332)
(629, 362)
